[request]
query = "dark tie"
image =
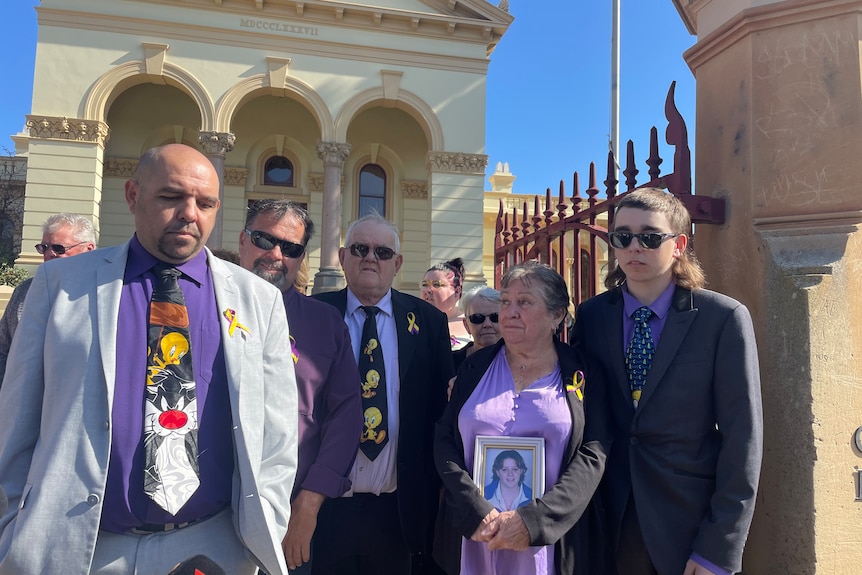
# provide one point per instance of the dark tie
(373, 374)
(639, 353)
(170, 410)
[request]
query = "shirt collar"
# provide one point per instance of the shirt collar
(141, 261)
(385, 303)
(659, 307)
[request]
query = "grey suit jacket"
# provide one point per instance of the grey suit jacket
(56, 404)
(690, 455)
(9, 321)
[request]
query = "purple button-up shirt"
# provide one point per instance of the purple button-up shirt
(126, 505)
(330, 409)
(659, 308)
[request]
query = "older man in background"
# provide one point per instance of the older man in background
(272, 245)
(384, 525)
(63, 235)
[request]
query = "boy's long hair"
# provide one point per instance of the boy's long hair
(686, 270)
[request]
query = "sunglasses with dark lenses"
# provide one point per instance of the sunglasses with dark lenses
(58, 249)
(266, 242)
(479, 318)
(647, 240)
(380, 252)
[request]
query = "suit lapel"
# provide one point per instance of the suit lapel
(109, 286)
(401, 307)
(613, 331)
(680, 317)
(227, 296)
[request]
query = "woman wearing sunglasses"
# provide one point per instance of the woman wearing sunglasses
(441, 287)
(481, 319)
(528, 384)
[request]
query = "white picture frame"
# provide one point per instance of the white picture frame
(520, 459)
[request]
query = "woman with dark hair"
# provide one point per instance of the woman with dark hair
(528, 384)
(441, 287)
(507, 490)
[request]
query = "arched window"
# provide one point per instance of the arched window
(278, 171)
(372, 190)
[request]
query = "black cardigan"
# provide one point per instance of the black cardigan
(553, 518)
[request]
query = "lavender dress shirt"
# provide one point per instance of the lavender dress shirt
(126, 505)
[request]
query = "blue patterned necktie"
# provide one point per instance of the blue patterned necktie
(639, 352)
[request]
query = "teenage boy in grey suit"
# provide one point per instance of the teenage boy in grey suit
(682, 475)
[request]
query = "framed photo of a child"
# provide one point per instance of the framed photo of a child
(509, 471)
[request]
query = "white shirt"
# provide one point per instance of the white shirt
(378, 476)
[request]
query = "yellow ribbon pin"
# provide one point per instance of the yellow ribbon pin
(577, 385)
(293, 353)
(230, 315)
(412, 326)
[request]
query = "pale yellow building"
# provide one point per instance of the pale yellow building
(341, 106)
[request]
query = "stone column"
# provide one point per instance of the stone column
(329, 277)
(64, 174)
(215, 146)
(779, 132)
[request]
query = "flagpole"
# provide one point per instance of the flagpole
(615, 86)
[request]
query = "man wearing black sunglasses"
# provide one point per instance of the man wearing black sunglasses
(273, 247)
(384, 525)
(682, 476)
(63, 235)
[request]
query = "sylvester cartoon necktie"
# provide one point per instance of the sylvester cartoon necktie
(639, 352)
(373, 374)
(171, 473)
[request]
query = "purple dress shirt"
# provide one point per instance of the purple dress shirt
(494, 408)
(330, 409)
(126, 505)
(660, 307)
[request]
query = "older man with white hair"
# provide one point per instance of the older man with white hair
(63, 235)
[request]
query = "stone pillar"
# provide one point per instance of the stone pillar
(64, 174)
(330, 278)
(457, 196)
(779, 131)
(215, 146)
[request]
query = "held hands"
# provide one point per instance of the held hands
(506, 531)
(480, 533)
(695, 568)
(303, 521)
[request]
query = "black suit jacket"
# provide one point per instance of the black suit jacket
(690, 454)
(552, 519)
(425, 367)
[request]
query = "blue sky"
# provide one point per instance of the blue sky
(548, 110)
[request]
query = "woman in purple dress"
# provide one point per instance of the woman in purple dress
(527, 385)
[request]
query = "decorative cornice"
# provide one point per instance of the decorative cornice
(457, 162)
(69, 129)
(761, 18)
(414, 189)
(315, 182)
(119, 167)
(315, 31)
(333, 153)
(217, 142)
(235, 176)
